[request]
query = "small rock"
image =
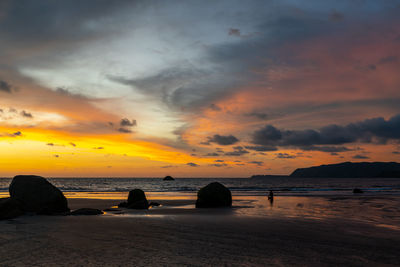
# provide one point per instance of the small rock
(357, 191)
(86, 211)
(168, 178)
(137, 200)
(123, 204)
(154, 204)
(9, 209)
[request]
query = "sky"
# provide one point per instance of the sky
(196, 88)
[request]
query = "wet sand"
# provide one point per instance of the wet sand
(176, 234)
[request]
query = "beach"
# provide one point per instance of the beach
(290, 232)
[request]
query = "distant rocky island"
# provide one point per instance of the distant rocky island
(168, 178)
(346, 170)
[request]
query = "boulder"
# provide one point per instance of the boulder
(137, 200)
(86, 211)
(357, 191)
(123, 204)
(214, 195)
(168, 178)
(9, 209)
(36, 194)
(154, 204)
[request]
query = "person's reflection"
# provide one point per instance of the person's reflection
(271, 197)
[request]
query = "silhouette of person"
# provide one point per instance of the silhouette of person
(271, 196)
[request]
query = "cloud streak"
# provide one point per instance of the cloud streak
(376, 130)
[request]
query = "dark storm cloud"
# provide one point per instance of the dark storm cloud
(238, 151)
(360, 157)
(258, 115)
(285, 156)
(124, 130)
(214, 107)
(330, 149)
(15, 134)
(52, 21)
(226, 66)
(258, 163)
(191, 164)
(235, 32)
(219, 165)
(26, 114)
(211, 154)
(126, 122)
(262, 148)
(5, 87)
(168, 166)
(223, 140)
(376, 130)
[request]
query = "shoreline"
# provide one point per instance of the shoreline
(253, 232)
(184, 239)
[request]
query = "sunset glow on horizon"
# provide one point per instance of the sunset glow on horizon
(196, 89)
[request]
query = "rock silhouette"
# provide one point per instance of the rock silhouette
(168, 178)
(136, 200)
(357, 191)
(9, 209)
(86, 211)
(36, 194)
(214, 195)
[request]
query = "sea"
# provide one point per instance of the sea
(289, 186)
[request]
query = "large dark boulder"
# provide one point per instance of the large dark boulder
(136, 200)
(9, 209)
(168, 178)
(86, 211)
(36, 194)
(214, 195)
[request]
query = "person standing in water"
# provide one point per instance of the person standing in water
(271, 196)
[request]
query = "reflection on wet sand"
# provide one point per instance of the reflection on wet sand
(383, 211)
(379, 211)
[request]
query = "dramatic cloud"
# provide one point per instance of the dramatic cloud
(5, 87)
(18, 133)
(285, 156)
(258, 115)
(360, 157)
(376, 130)
(258, 163)
(191, 164)
(238, 151)
(128, 123)
(223, 140)
(26, 114)
(219, 165)
(262, 148)
(329, 149)
(124, 130)
(235, 32)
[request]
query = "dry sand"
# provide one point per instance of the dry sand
(179, 236)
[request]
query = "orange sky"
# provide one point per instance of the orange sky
(226, 91)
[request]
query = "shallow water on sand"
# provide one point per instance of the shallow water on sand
(382, 211)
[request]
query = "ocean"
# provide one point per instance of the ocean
(238, 186)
